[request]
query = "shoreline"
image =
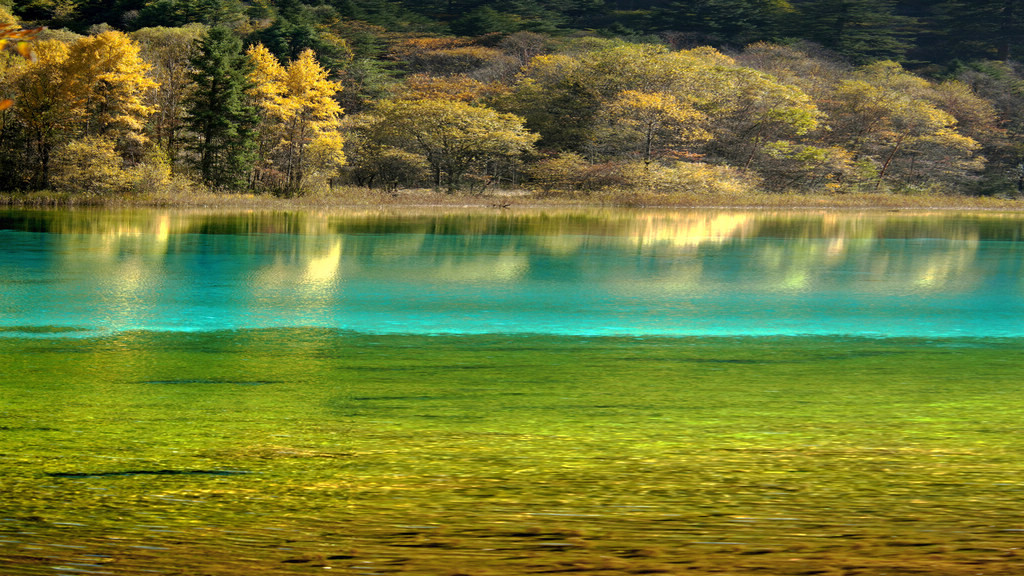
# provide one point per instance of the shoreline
(363, 199)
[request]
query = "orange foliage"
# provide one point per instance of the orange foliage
(456, 87)
(21, 36)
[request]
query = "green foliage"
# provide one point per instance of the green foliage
(218, 111)
(862, 30)
(454, 137)
(170, 51)
(731, 22)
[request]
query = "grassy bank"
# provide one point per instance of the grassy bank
(363, 198)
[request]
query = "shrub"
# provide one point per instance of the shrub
(568, 173)
(89, 167)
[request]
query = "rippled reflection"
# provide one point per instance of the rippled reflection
(566, 272)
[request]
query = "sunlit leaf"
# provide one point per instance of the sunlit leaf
(25, 49)
(6, 103)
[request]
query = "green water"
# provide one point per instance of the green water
(300, 450)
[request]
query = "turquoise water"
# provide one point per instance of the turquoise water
(630, 273)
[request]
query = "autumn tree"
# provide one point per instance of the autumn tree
(170, 52)
(561, 95)
(749, 109)
(570, 97)
(885, 116)
(452, 136)
(108, 81)
(93, 87)
(301, 117)
(218, 110)
(654, 122)
(42, 120)
(1000, 86)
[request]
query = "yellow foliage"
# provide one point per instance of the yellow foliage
(44, 104)
(653, 109)
(267, 78)
(6, 20)
(106, 81)
(708, 56)
(443, 56)
(455, 87)
(301, 115)
(412, 46)
(309, 95)
(88, 167)
(454, 136)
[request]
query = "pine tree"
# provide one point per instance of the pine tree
(982, 29)
(735, 22)
(218, 110)
(862, 30)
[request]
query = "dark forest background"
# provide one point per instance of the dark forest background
(936, 35)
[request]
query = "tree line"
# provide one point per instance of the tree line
(290, 98)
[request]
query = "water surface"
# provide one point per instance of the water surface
(566, 392)
(567, 273)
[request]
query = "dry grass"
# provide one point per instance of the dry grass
(352, 197)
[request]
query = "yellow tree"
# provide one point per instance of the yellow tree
(655, 118)
(44, 117)
(565, 96)
(107, 81)
(301, 116)
(749, 109)
(94, 86)
(885, 116)
(454, 137)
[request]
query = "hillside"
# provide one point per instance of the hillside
(568, 97)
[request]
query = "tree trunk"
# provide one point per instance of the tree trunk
(888, 161)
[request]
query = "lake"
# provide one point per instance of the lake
(501, 392)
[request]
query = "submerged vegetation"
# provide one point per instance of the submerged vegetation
(158, 101)
(509, 455)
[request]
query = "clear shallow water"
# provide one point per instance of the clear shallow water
(268, 393)
(567, 273)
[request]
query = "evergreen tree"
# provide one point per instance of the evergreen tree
(736, 22)
(218, 110)
(982, 29)
(862, 30)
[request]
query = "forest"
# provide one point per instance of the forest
(103, 98)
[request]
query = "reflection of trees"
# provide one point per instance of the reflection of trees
(306, 250)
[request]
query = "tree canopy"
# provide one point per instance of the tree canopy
(295, 96)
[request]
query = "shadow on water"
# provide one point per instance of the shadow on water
(145, 473)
